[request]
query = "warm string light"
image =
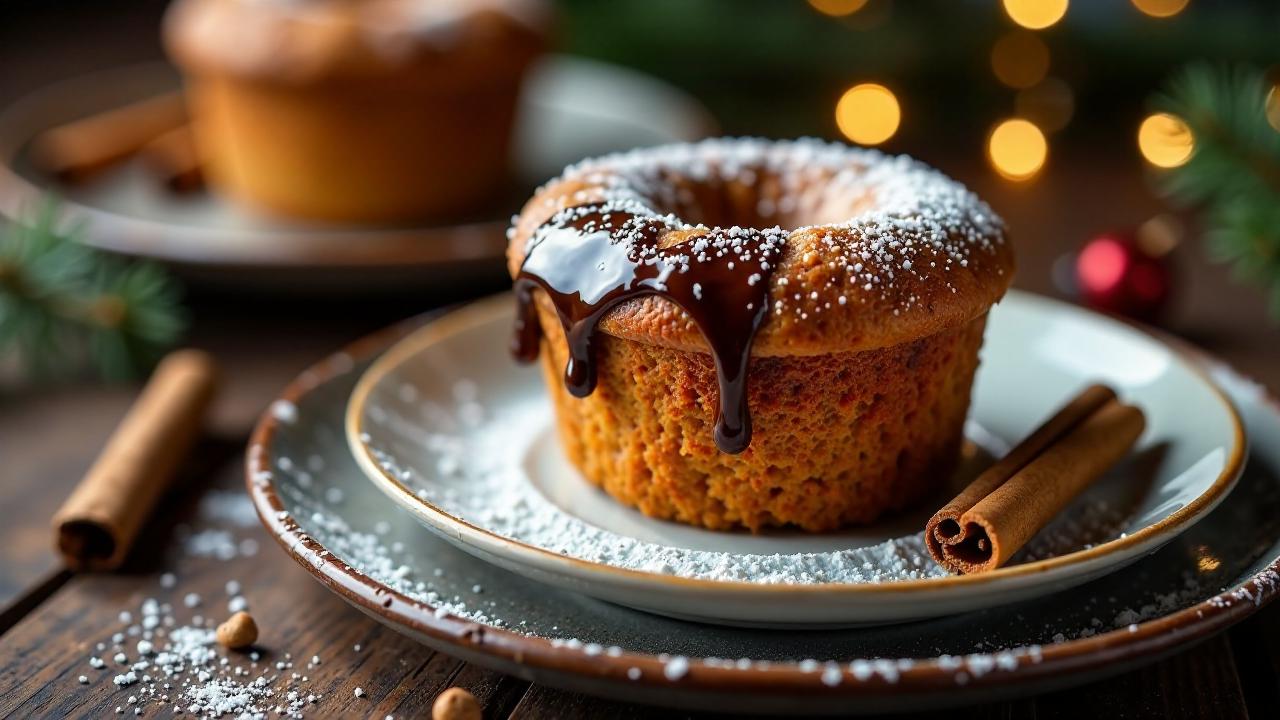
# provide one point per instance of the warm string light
(1165, 140)
(868, 114)
(1160, 8)
(1049, 104)
(1159, 235)
(837, 8)
(1035, 14)
(1017, 149)
(1020, 59)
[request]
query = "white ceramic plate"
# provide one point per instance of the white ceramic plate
(452, 430)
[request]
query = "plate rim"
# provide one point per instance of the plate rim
(1016, 576)
(1151, 638)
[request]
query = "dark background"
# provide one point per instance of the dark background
(777, 67)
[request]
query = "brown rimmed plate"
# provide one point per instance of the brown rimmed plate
(571, 108)
(329, 518)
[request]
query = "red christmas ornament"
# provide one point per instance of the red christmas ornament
(1115, 274)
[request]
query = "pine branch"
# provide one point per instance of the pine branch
(65, 306)
(1234, 173)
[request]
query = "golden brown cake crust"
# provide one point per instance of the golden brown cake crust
(449, 42)
(840, 439)
(885, 250)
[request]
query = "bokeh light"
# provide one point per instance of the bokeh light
(1159, 235)
(1035, 14)
(868, 114)
(1020, 59)
(837, 8)
(1165, 140)
(1050, 105)
(1160, 8)
(1017, 149)
(1272, 107)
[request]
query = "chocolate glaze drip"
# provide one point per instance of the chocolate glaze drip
(590, 258)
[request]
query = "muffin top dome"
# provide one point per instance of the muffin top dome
(455, 41)
(851, 249)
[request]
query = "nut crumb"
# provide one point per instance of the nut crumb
(456, 704)
(238, 632)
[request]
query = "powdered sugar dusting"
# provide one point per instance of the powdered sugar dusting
(476, 473)
(907, 219)
(175, 664)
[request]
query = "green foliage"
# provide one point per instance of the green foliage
(65, 306)
(1234, 174)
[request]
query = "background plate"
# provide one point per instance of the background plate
(571, 108)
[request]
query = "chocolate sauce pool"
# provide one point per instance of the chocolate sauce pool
(590, 258)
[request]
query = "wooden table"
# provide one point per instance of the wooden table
(50, 619)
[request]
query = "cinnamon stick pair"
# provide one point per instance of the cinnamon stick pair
(156, 129)
(1008, 504)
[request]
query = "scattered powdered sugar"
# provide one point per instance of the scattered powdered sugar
(389, 565)
(284, 411)
(217, 543)
(182, 668)
(232, 507)
(220, 517)
(676, 667)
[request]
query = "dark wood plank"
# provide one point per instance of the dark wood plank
(543, 702)
(48, 438)
(42, 656)
(498, 694)
(50, 435)
(1199, 683)
(1256, 643)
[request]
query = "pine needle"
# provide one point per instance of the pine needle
(65, 307)
(1234, 173)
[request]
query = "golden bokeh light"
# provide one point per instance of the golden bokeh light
(1050, 105)
(1035, 14)
(1017, 149)
(1020, 59)
(837, 8)
(1160, 8)
(1272, 107)
(1159, 235)
(1165, 140)
(868, 114)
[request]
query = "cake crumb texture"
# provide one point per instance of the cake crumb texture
(839, 439)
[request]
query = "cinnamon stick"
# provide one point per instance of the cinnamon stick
(77, 150)
(1007, 505)
(174, 160)
(98, 523)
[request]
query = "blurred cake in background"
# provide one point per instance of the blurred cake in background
(376, 111)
